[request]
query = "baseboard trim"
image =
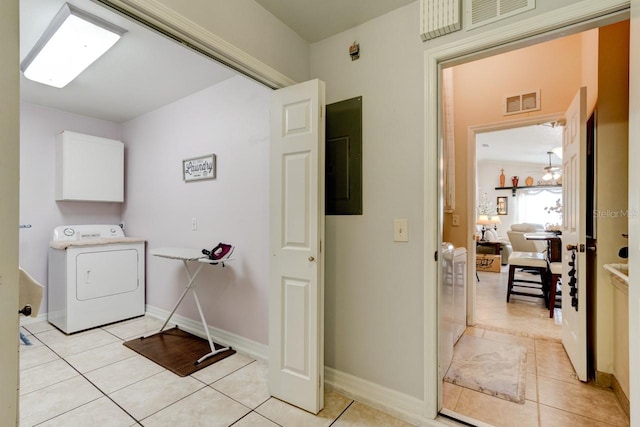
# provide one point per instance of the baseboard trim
(398, 404)
(607, 380)
(604, 379)
(242, 345)
(622, 398)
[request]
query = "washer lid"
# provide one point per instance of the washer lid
(81, 232)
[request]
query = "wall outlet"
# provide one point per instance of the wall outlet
(400, 230)
(455, 220)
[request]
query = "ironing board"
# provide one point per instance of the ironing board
(187, 255)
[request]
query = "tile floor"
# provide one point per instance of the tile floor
(91, 379)
(554, 396)
(522, 316)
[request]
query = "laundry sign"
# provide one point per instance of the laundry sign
(197, 168)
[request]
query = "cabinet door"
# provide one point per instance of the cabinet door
(89, 168)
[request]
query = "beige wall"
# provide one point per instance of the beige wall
(589, 70)
(9, 160)
(480, 86)
(611, 177)
(373, 285)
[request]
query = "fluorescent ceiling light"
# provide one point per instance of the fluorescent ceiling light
(71, 42)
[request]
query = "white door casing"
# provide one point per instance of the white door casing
(574, 271)
(296, 267)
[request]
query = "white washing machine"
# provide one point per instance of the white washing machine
(96, 276)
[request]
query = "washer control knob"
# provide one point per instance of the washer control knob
(69, 232)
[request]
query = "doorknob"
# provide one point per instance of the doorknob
(311, 259)
(579, 248)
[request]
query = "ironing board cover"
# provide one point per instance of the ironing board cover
(187, 254)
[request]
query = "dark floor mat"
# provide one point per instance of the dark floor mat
(177, 351)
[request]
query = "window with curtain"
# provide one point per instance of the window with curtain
(539, 206)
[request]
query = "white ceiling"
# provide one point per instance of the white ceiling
(141, 73)
(145, 70)
(315, 20)
(528, 144)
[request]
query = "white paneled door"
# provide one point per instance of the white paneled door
(574, 239)
(296, 269)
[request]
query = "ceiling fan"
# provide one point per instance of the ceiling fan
(551, 172)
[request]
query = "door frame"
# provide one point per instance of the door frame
(472, 183)
(154, 14)
(578, 17)
(9, 215)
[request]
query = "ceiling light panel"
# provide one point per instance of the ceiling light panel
(72, 42)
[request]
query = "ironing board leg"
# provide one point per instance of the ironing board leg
(192, 278)
(191, 286)
(206, 329)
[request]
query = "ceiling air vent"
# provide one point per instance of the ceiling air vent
(439, 17)
(522, 103)
(483, 12)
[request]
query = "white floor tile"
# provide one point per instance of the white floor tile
(49, 402)
(100, 357)
(134, 328)
(44, 375)
(123, 373)
(99, 413)
(222, 368)
(152, 394)
(254, 419)
(247, 385)
(38, 327)
(287, 415)
(204, 408)
(36, 354)
(359, 415)
(66, 345)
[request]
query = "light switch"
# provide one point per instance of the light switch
(194, 224)
(400, 230)
(455, 220)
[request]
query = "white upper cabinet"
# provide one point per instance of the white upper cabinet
(89, 168)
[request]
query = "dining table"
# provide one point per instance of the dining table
(554, 243)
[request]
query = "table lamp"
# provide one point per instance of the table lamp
(483, 220)
(495, 220)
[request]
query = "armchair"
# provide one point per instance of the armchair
(518, 241)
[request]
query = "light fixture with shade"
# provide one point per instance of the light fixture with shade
(73, 40)
(551, 172)
(483, 220)
(495, 220)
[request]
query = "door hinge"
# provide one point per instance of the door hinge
(435, 256)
